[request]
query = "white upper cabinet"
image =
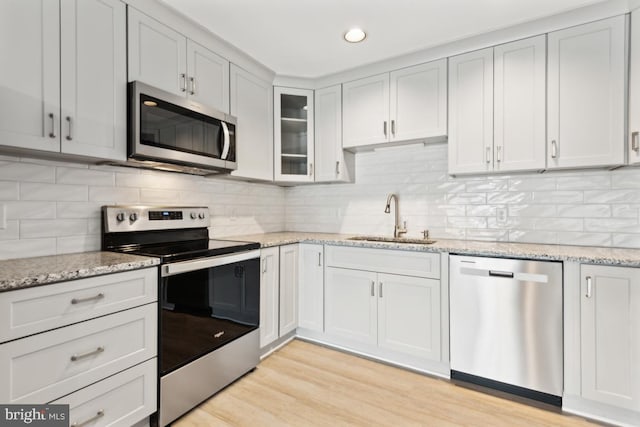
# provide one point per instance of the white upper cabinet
(471, 112)
(634, 89)
(497, 108)
(586, 95)
(81, 110)
(94, 78)
(30, 85)
(166, 59)
(293, 134)
(402, 105)
(418, 107)
(157, 54)
(519, 105)
(366, 111)
(208, 81)
(333, 164)
(251, 101)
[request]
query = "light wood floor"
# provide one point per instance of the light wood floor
(308, 385)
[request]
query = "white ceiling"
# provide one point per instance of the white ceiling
(303, 38)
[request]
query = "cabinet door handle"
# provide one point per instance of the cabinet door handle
(380, 290)
(264, 265)
(69, 137)
(554, 149)
(52, 134)
(635, 141)
(95, 297)
(183, 82)
(373, 288)
(319, 259)
(384, 128)
(98, 414)
(393, 127)
(589, 287)
(77, 357)
(192, 80)
(310, 169)
(488, 153)
(498, 153)
(337, 167)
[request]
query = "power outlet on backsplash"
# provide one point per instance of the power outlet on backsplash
(501, 215)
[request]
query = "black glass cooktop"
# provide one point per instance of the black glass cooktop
(180, 251)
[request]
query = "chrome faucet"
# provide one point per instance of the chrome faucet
(397, 230)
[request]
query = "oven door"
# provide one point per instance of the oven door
(205, 304)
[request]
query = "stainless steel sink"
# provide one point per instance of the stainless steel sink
(393, 240)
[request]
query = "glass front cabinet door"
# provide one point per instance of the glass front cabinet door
(293, 134)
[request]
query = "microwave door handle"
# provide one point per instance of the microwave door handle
(227, 142)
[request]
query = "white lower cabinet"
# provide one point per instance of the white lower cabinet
(388, 304)
(351, 311)
(394, 312)
(278, 292)
(408, 315)
(311, 287)
(610, 335)
(288, 288)
(89, 343)
(269, 294)
(120, 400)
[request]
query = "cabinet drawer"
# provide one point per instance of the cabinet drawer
(44, 367)
(29, 311)
(408, 263)
(123, 399)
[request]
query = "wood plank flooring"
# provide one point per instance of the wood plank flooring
(304, 384)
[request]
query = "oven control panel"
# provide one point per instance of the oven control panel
(137, 218)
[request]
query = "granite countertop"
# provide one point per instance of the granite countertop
(583, 254)
(26, 272)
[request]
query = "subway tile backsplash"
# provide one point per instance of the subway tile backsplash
(54, 207)
(587, 207)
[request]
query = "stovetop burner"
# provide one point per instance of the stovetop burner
(169, 233)
(179, 251)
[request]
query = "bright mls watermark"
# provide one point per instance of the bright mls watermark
(34, 415)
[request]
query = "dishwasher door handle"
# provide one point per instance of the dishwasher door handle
(497, 273)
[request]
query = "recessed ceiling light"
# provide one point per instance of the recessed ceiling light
(150, 103)
(355, 35)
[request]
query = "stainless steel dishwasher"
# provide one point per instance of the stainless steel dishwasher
(506, 325)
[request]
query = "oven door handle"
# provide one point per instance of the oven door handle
(202, 263)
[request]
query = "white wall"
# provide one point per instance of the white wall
(596, 207)
(54, 207)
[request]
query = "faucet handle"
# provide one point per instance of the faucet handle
(425, 234)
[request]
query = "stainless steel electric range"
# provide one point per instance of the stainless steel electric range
(209, 300)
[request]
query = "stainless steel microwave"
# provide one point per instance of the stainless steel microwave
(174, 130)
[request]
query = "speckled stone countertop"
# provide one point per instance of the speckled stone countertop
(26, 272)
(583, 254)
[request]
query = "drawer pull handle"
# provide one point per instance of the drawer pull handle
(77, 357)
(98, 414)
(95, 297)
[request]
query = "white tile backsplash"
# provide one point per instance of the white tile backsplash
(592, 207)
(54, 207)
